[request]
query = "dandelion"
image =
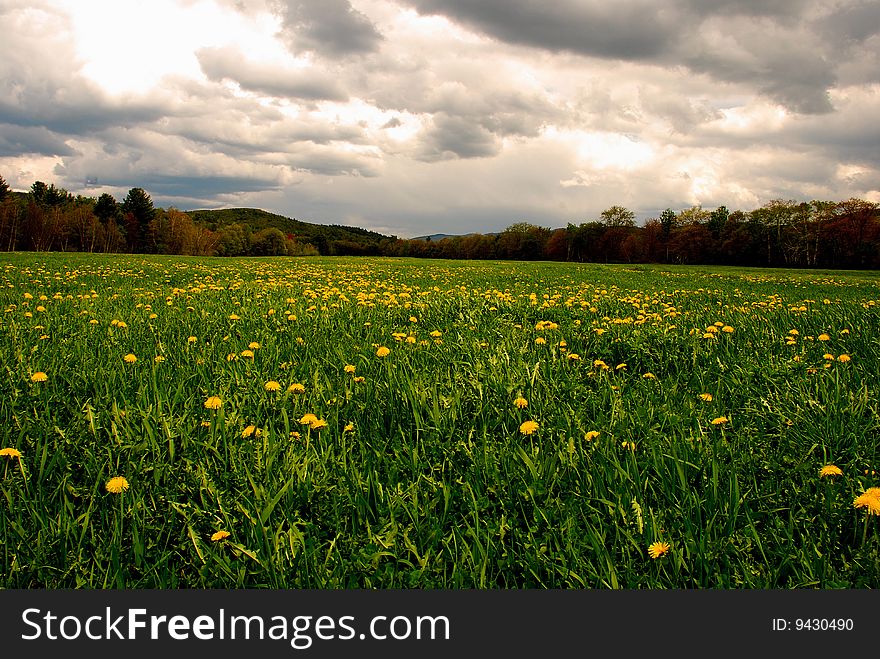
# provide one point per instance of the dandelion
(10, 453)
(117, 485)
(249, 354)
(630, 445)
(830, 470)
(308, 419)
(39, 376)
(824, 337)
(540, 341)
(706, 397)
(727, 329)
(253, 345)
(213, 403)
(359, 378)
(720, 421)
(598, 363)
(649, 376)
(436, 334)
(247, 432)
(191, 339)
(130, 358)
(591, 435)
(272, 385)
(158, 359)
(233, 317)
(828, 356)
(318, 424)
(870, 500)
(528, 427)
(296, 388)
(349, 368)
(220, 535)
(620, 367)
(657, 549)
(383, 352)
(349, 427)
(573, 356)
(520, 402)
(844, 358)
(294, 434)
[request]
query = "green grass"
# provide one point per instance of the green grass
(435, 486)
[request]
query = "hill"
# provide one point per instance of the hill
(328, 238)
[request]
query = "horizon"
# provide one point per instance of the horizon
(420, 117)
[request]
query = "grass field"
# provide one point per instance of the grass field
(474, 425)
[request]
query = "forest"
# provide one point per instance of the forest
(781, 233)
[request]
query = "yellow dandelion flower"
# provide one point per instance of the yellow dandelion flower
(657, 549)
(249, 354)
(649, 376)
(844, 358)
(213, 403)
(793, 332)
(869, 500)
(296, 388)
(824, 337)
(117, 485)
(318, 424)
(253, 345)
(828, 356)
(598, 363)
(573, 356)
(158, 359)
(10, 453)
(294, 434)
(706, 397)
(349, 368)
(308, 419)
(349, 427)
(436, 334)
(540, 341)
(727, 329)
(122, 325)
(272, 385)
(620, 367)
(130, 358)
(591, 435)
(383, 352)
(191, 339)
(520, 402)
(220, 535)
(206, 424)
(233, 317)
(528, 427)
(830, 470)
(719, 421)
(247, 432)
(359, 378)
(39, 376)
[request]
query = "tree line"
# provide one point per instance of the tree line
(815, 234)
(48, 218)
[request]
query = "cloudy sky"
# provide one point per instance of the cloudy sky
(422, 116)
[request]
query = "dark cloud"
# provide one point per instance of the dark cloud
(271, 79)
(332, 28)
(594, 27)
(771, 46)
(456, 137)
(31, 140)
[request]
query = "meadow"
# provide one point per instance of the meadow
(172, 422)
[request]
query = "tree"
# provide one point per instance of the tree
(137, 207)
(4, 190)
(618, 216)
(717, 220)
(106, 207)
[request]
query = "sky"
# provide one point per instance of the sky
(414, 117)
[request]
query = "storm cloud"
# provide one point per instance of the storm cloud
(425, 116)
